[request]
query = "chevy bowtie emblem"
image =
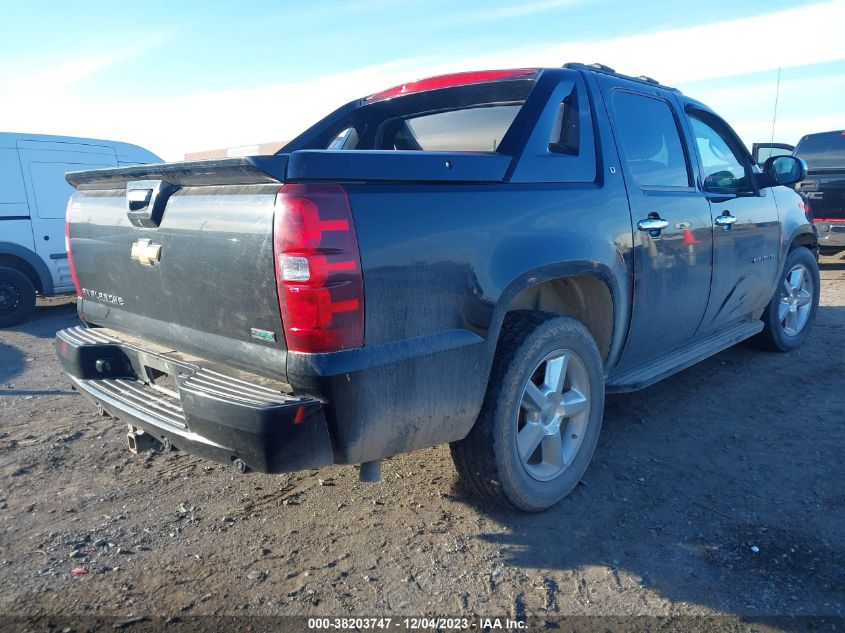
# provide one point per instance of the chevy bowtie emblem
(145, 252)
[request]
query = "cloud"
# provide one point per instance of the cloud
(171, 126)
(64, 75)
(805, 104)
(507, 12)
(52, 78)
(716, 50)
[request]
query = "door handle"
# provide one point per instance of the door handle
(726, 219)
(653, 224)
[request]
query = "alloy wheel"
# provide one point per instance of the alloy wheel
(796, 300)
(553, 413)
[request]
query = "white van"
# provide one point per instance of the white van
(33, 198)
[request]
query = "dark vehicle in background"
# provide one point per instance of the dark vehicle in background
(473, 258)
(824, 186)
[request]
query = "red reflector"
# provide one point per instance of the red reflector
(71, 266)
(449, 81)
(323, 310)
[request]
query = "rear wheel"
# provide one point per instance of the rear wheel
(17, 297)
(792, 310)
(541, 417)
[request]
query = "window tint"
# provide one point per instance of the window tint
(650, 141)
(478, 129)
(822, 152)
(723, 168)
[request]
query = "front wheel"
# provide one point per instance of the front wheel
(541, 417)
(790, 314)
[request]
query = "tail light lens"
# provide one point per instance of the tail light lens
(805, 207)
(318, 269)
(71, 266)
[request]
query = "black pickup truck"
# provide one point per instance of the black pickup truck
(824, 186)
(474, 258)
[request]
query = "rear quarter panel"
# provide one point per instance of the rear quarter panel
(441, 264)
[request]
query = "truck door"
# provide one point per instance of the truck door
(761, 152)
(44, 164)
(746, 229)
(671, 218)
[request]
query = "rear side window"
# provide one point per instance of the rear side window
(461, 118)
(478, 129)
(651, 143)
(823, 152)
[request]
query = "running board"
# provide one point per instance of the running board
(664, 366)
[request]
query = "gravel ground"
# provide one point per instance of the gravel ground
(717, 491)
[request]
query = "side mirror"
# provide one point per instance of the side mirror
(783, 170)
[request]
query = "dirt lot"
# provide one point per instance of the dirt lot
(718, 491)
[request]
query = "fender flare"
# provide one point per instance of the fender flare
(44, 277)
(804, 234)
(550, 272)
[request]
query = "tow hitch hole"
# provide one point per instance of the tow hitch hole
(139, 442)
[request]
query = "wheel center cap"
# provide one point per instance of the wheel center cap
(551, 414)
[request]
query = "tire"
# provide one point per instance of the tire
(531, 346)
(17, 297)
(789, 316)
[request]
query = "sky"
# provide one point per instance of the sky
(191, 75)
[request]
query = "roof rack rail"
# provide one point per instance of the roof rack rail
(601, 68)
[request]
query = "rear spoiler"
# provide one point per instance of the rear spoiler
(308, 165)
(248, 170)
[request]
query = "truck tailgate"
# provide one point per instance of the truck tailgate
(202, 281)
(826, 192)
(182, 254)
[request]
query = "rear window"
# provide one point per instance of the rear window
(466, 118)
(822, 152)
(477, 129)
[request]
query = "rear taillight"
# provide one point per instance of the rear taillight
(318, 269)
(805, 207)
(71, 266)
